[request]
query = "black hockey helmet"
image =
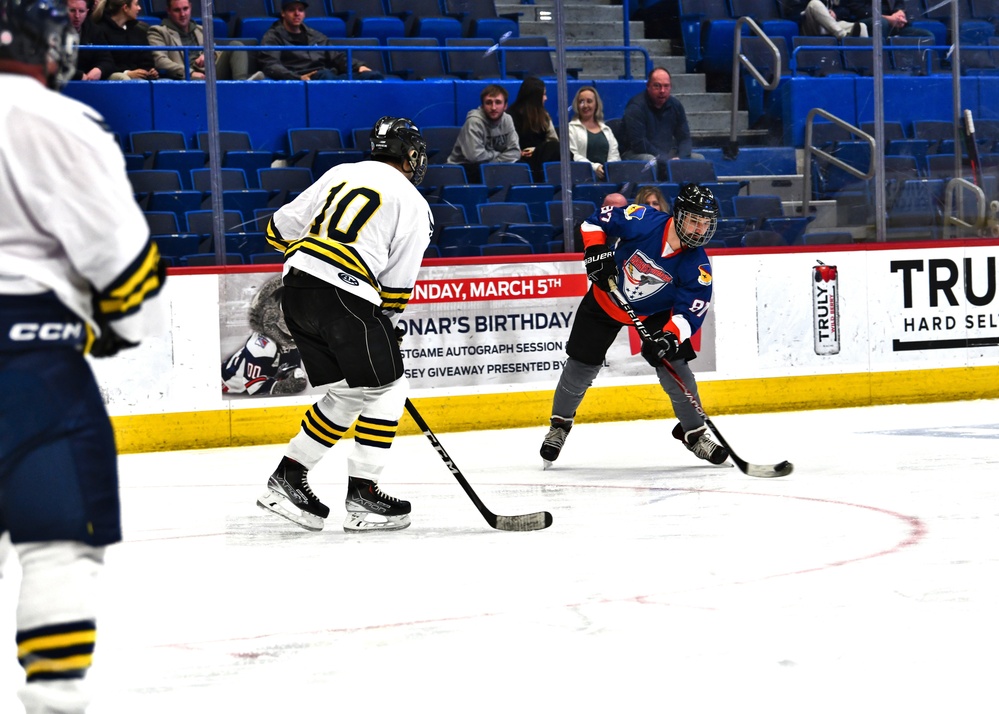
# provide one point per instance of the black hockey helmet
(35, 31)
(696, 202)
(399, 139)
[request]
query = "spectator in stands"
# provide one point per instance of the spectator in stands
(655, 124)
(488, 134)
(894, 19)
(590, 139)
(177, 30)
(297, 62)
(652, 197)
(90, 64)
(118, 23)
(817, 17)
(534, 125)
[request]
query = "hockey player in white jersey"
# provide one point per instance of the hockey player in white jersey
(78, 274)
(353, 243)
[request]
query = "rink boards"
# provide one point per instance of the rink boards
(791, 329)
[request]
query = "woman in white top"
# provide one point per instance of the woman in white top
(590, 139)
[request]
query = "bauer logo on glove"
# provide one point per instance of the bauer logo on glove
(600, 266)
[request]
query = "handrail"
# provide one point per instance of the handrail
(951, 220)
(739, 60)
(809, 150)
(350, 49)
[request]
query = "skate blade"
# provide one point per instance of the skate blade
(546, 464)
(364, 521)
(278, 504)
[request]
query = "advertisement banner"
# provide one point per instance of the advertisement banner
(874, 310)
(484, 326)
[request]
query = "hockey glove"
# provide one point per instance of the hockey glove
(109, 343)
(290, 360)
(662, 346)
(600, 266)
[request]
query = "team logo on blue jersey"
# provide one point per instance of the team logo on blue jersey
(642, 277)
(705, 274)
(634, 211)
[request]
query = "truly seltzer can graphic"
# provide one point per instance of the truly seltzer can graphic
(825, 308)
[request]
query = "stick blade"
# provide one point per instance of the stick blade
(527, 522)
(782, 469)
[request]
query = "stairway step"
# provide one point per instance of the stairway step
(577, 31)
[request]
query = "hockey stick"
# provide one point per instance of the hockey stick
(527, 522)
(781, 469)
(972, 146)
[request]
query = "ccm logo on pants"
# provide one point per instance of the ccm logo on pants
(46, 331)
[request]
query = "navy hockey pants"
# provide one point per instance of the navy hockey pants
(58, 462)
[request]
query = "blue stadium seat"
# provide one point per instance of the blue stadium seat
(499, 177)
(457, 241)
(536, 196)
(178, 244)
(255, 27)
(182, 161)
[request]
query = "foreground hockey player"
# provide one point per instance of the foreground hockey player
(353, 244)
(78, 274)
(658, 262)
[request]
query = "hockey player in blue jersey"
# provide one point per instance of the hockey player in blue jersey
(78, 275)
(658, 261)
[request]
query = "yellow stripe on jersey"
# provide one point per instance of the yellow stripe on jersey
(337, 254)
(395, 299)
(273, 236)
(139, 281)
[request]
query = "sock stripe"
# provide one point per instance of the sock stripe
(320, 428)
(375, 432)
(63, 651)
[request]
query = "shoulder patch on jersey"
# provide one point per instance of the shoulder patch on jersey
(261, 341)
(705, 277)
(349, 279)
(633, 211)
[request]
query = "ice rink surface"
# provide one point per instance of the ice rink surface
(866, 581)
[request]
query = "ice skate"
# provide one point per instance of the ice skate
(370, 509)
(700, 444)
(552, 445)
(289, 496)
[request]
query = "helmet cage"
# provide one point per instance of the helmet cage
(399, 139)
(695, 202)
